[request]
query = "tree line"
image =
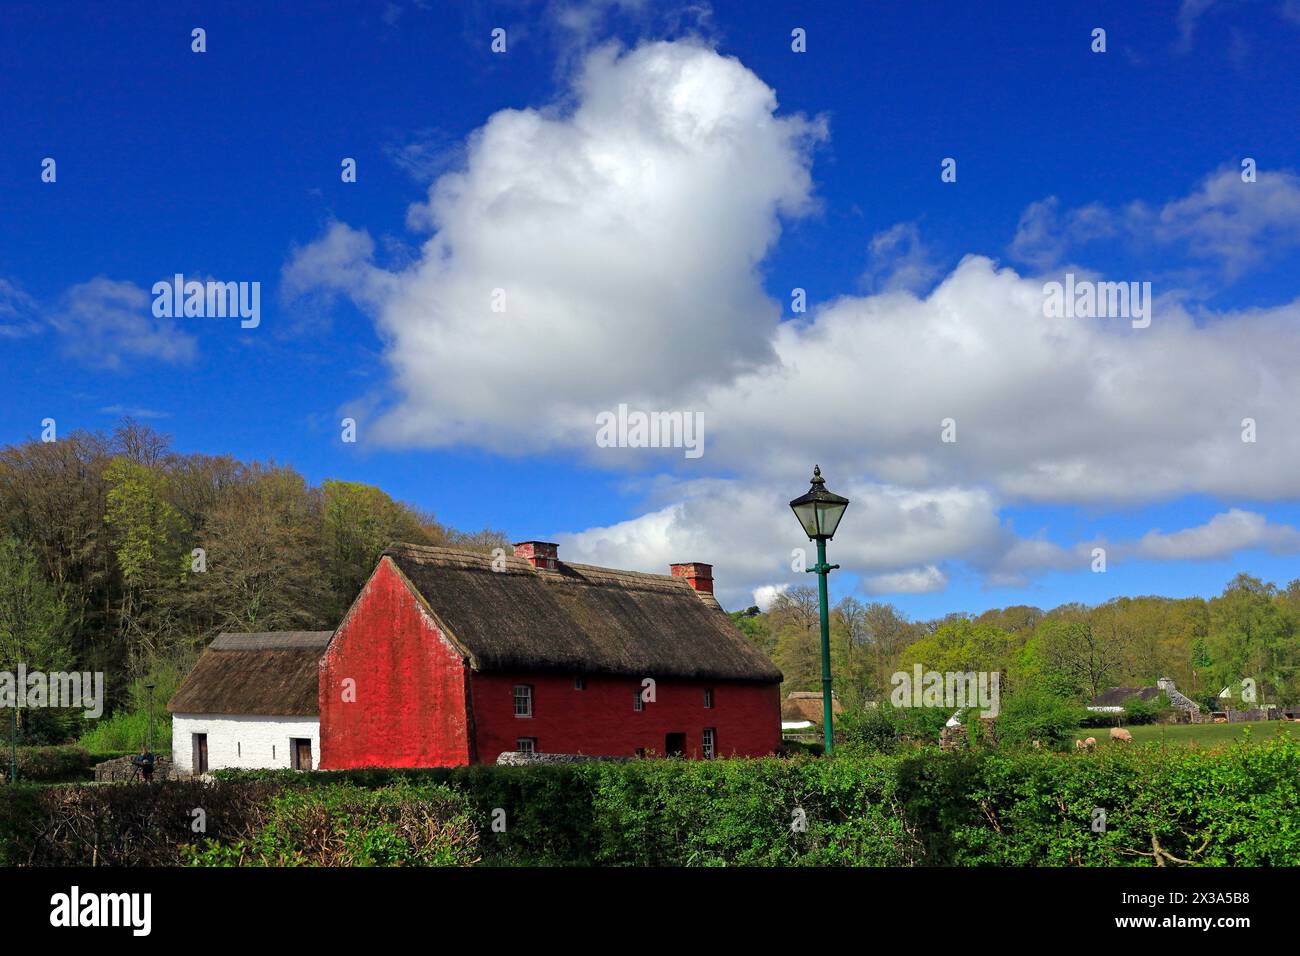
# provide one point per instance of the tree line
(1250, 630)
(121, 555)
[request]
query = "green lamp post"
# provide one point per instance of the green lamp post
(819, 512)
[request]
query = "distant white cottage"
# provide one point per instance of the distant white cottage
(251, 702)
(1112, 701)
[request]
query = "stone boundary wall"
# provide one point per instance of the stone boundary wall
(121, 770)
(512, 759)
(958, 738)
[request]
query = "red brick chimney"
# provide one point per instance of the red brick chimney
(697, 575)
(540, 554)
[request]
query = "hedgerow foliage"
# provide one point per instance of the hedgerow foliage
(133, 824)
(668, 812)
(1172, 806)
(1236, 806)
(52, 763)
(346, 825)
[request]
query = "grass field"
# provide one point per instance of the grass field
(1199, 735)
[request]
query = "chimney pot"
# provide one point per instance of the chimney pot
(540, 554)
(697, 575)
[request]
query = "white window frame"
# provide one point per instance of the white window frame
(526, 745)
(526, 697)
(638, 704)
(708, 698)
(709, 743)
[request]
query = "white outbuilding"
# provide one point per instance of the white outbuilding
(250, 702)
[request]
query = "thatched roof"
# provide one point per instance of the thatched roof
(274, 674)
(578, 618)
(807, 705)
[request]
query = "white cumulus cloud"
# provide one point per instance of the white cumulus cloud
(924, 580)
(1222, 536)
(585, 256)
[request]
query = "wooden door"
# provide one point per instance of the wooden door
(301, 752)
(200, 757)
(675, 745)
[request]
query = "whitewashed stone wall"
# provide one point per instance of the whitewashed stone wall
(242, 741)
(1176, 697)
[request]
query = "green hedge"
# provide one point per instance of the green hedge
(1234, 806)
(46, 764)
(346, 825)
(667, 812)
(1239, 805)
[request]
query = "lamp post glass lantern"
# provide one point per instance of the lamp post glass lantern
(819, 513)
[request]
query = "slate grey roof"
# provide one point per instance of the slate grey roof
(1115, 696)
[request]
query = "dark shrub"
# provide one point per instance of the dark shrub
(122, 824)
(53, 764)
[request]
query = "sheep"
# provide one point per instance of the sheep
(1119, 733)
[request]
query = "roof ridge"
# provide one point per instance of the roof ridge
(477, 557)
(640, 574)
(435, 548)
(270, 640)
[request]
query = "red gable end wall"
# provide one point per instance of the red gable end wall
(600, 721)
(409, 708)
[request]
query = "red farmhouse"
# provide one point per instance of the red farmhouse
(449, 657)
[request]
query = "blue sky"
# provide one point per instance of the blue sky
(773, 170)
